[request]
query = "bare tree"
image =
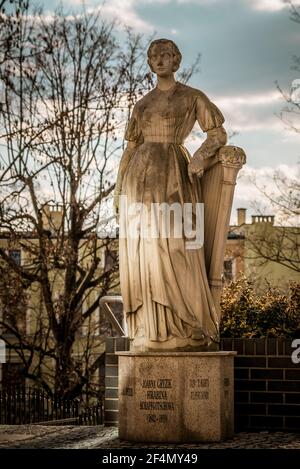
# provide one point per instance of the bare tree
(65, 96)
(290, 114)
(281, 243)
(9, 14)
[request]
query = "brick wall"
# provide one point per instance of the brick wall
(267, 383)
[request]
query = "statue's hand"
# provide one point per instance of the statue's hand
(196, 167)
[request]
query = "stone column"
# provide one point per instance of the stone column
(218, 189)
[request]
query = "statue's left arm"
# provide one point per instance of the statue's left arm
(211, 121)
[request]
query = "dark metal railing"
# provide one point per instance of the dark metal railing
(32, 406)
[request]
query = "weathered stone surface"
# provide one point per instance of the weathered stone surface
(176, 396)
(170, 283)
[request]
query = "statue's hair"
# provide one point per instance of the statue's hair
(176, 52)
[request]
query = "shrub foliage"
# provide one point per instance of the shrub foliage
(245, 313)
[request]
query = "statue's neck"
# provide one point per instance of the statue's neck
(164, 83)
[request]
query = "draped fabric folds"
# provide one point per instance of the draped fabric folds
(163, 284)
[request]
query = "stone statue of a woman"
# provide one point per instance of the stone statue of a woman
(166, 294)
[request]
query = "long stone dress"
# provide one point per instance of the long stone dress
(167, 299)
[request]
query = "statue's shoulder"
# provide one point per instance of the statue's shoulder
(191, 92)
(140, 104)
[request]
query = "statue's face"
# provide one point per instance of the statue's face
(162, 60)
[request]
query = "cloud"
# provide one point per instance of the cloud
(250, 100)
(250, 179)
(124, 12)
(267, 173)
(199, 2)
(267, 5)
(271, 5)
(260, 5)
(248, 112)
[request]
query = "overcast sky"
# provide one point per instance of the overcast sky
(246, 46)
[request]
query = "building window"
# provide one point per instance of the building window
(15, 255)
(12, 375)
(228, 270)
(13, 296)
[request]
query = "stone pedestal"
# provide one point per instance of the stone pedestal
(176, 396)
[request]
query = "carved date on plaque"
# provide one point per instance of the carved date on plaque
(197, 395)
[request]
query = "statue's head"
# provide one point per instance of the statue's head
(164, 57)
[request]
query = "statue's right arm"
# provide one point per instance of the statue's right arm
(126, 157)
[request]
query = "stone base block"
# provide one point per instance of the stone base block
(176, 396)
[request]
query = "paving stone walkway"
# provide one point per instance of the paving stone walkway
(75, 437)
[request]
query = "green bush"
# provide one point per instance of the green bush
(245, 313)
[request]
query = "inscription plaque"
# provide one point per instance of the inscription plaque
(199, 383)
(156, 398)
